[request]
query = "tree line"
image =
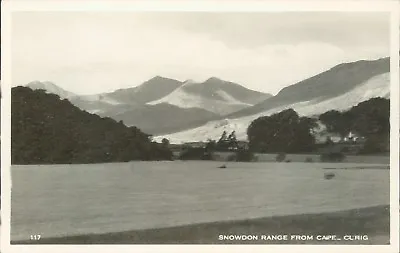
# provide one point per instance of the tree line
(287, 132)
(47, 130)
(370, 119)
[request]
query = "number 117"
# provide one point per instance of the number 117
(35, 237)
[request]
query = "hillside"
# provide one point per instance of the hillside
(162, 105)
(329, 84)
(162, 118)
(288, 132)
(130, 98)
(153, 89)
(191, 111)
(377, 86)
(215, 95)
(47, 129)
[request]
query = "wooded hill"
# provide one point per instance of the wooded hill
(48, 130)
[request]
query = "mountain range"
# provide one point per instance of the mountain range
(338, 88)
(328, 84)
(163, 105)
(197, 111)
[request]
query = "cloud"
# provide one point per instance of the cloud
(257, 29)
(96, 52)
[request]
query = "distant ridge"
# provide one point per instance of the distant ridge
(158, 106)
(340, 88)
(166, 106)
(215, 95)
(153, 89)
(50, 88)
(334, 82)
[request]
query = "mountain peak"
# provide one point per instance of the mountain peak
(158, 77)
(380, 63)
(50, 87)
(43, 84)
(331, 83)
(189, 82)
(150, 90)
(161, 78)
(214, 79)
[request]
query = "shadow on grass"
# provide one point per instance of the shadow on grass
(373, 222)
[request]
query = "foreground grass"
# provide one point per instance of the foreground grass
(373, 222)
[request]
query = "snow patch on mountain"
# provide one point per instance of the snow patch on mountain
(378, 86)
(179, 97)
(95, 111)
(100, 98)
(229, 99)
(187, 83)
(213, 129)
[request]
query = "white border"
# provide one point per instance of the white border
(394, 129)
(210, 6)
(5, 128)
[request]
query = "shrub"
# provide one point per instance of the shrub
(280, 157)
(309, 160)
(195, 154)
(376, 144)
(332, 157)
(242, 156)
(231, 158)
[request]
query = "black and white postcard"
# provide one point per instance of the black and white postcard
(197, 125)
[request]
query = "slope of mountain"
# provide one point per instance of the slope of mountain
(377, 86)
(162, 118)
(331, 83)
(153, 89)
(107, 103)
(99, 106)
(215, 95)
(50, 87)
(161, 105)
(152, 119)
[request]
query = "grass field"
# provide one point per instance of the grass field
(372, 223)
(71, 200)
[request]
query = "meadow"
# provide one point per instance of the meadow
(56, 201)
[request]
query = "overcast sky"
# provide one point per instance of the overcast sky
(89, 53)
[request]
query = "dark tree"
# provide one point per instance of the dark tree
(165, 142)
(336, 122)
(232, 141)
(370, 119)
(282, 132)
(223, 137)
(226, 142)
(211, 146)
